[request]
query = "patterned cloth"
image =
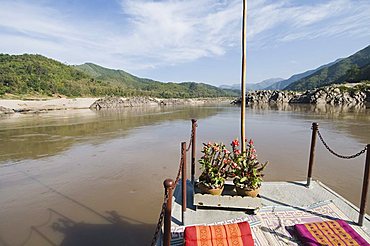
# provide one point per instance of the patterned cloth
(221, 235)
(177, 232)
(277, 222)
(332, 232)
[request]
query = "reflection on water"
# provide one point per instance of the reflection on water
(35, 136)
(81, 176)
(353, 120)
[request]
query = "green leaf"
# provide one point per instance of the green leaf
(242, 180)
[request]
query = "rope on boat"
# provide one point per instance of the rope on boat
(164, 204)
(339, 155)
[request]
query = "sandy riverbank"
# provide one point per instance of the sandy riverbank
(8, 106)
(46, 105)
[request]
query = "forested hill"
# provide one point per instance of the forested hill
(284, 83)
(113, 76)
(354, 68)
(132, 83)
(39, 75)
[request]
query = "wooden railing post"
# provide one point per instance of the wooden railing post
(168, 187)
(183, 177)
(315, 127)
(365, 186)
(193, 148)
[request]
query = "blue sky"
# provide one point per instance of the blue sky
(188, 40)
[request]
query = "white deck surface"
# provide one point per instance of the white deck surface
(294, 195)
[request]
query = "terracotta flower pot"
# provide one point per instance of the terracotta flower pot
(245, 191)
(207, 190)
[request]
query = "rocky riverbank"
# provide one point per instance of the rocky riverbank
(121, 102)
(348, 94)
(40, 106)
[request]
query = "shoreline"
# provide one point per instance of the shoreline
(10, 106)
(34, 106)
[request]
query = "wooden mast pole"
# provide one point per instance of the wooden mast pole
(243, 79)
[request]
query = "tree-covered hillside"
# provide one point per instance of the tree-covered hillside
(34, 73)
(38, 75)
(284, 83)
(113, 76)
(354, 68)
(133, 84)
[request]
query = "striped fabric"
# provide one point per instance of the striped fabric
(238, 234)
(332, 232)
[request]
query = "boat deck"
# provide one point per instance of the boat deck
(283, 205)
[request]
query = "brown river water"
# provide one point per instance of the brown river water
(83, 177)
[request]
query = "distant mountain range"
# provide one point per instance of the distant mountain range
(280, 85)
(39, 75)
(354, 68)
(252, 87)
(264, 84)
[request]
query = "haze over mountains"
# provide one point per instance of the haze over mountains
(257, 86)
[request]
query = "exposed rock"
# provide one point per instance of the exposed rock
(269, 96)
(120, 102)
(4, 110)
(333, 95)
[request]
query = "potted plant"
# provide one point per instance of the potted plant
(246, 169)
(214, 168)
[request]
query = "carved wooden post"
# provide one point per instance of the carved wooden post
(193, 148)
(315, 127)
(183, 177)
(365, 186)
(168, 187)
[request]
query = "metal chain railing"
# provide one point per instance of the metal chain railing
(160, 220)
(338, 155)
(179, 172)
(164, 204)
(366, 178)
(191, 137)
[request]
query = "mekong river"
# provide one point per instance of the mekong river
(84, 177)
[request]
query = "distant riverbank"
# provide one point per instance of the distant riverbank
(339, 95)
(34, 106)
(43, 105)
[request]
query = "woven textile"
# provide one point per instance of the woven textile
(221, 235)
(177, 233)
(277, 223)
(332, 232)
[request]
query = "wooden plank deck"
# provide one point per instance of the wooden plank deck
(294, 196)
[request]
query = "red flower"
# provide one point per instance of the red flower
(235, 143)
(237, 151)
(251, 142)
